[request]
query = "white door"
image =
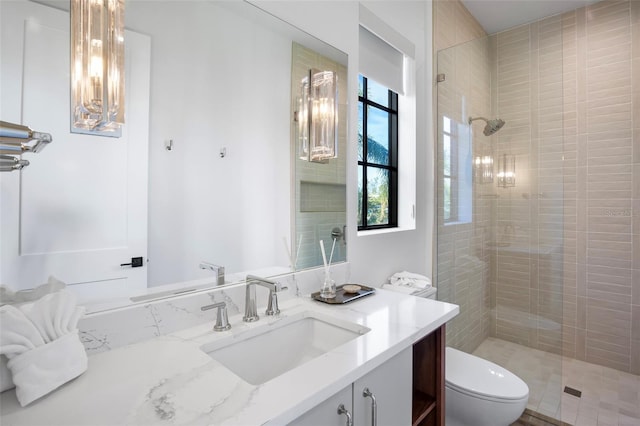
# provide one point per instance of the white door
(79, 210)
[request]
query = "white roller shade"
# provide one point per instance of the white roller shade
(380, 61)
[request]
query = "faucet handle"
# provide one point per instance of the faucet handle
(222, 320)
(272, 304)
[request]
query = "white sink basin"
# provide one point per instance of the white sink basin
(268, 351)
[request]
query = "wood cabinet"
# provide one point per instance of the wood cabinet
(429, 380)
(389, 385)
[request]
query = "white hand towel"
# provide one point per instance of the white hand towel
(400, 289)
(409, 279)
(41, 341)
(409, 275)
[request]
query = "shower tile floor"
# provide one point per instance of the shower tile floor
(609, 397)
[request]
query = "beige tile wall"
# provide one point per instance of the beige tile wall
(569, 278)
(453, 25)
(528, 287)
(607, 185)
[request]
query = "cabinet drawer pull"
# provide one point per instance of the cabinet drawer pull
(374, 406)
(342, 410)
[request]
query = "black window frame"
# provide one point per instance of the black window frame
(391, 167)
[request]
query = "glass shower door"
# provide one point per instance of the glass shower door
(501, 200)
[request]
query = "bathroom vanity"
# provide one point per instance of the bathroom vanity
(349, 355)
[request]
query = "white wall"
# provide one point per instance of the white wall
(375, 257)
(224, 82)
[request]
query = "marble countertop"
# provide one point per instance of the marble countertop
(170, 380)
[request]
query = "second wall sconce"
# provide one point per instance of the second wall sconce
(317, 116)
(506, 171)
(483, 169)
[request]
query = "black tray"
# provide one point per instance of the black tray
(342, 297)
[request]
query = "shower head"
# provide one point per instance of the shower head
(492, 125)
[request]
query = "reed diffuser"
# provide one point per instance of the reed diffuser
(328, 290)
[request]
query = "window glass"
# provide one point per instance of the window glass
(377, 93)
(446, 154)
(360, 195)
(360, 131)
(377, 196)
(377, 136)
(447, 198)
(446, 124)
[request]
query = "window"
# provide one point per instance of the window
(450, 170)
(456, 172)
(387, 86)
(377, 155)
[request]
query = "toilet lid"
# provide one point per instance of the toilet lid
(476, 376)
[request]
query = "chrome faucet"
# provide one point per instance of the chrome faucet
(251, 310)
(222, 320)
(217, 269)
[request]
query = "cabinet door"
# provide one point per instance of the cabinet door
(326, 413)
(391, 386)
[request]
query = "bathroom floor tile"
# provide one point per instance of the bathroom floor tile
(608, 397)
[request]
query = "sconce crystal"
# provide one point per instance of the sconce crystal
(483, 169)
(507, 171)
(97, 66)
(317, 116)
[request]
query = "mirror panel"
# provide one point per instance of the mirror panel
(320, 187)
(220, 95)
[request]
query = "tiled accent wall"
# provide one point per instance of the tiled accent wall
(565, 87)
(602, 214)
(462, 265)
(453, 25)
(320, 188)
(527, 281)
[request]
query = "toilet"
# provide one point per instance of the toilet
(479, 392)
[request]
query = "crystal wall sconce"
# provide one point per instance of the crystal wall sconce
(483, 169)
(97, 66)
(507, 171)
(317, 116)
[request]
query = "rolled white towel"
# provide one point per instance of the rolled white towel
(45, 368)
(6, 381)
(7, 295)
(41, 342)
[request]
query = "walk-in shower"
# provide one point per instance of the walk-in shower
(500, 247)
(492, 125)
(544, 267)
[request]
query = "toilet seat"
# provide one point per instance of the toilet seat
(479, 378)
